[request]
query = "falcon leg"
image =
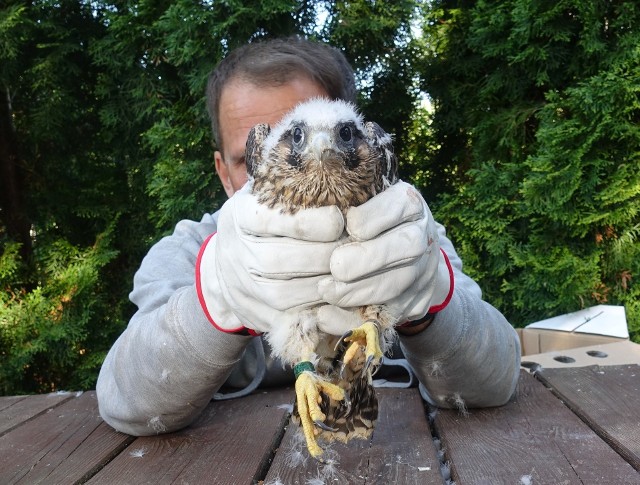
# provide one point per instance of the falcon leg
(308, 399)
(366, 335)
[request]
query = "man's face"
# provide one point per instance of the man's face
(242, 106)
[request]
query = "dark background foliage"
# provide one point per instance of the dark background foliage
(518, 120)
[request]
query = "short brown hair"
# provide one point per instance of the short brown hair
(275, 62)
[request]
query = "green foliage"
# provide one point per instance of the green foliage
(419, 150)
(105, 144)
(61, 195)
(529, 155)
(539, 104)
(48, 334)
(376, 38)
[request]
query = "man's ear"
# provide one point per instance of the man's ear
(222, 169)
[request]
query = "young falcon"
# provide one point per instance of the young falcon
(323, 153)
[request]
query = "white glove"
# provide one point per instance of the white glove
(394, 258)
(262, 263)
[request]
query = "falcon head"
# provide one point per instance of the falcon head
(321, 153)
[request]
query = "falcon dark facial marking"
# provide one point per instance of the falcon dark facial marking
(322, 153)
(294, 139)
(298, 135)
(345, 133)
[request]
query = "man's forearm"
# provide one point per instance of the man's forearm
(468, 357)
(165, 368)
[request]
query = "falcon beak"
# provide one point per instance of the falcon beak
(323, 148)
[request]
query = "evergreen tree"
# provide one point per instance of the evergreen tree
(105, 144)
(537, 111)
(529, 158)
(60, 200)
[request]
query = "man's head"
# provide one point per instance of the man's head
(259, 83)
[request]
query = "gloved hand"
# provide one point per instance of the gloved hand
(261, 263)
(393, 258)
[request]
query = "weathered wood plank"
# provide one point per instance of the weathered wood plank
(533, 439)
(231, 443)
(400, 451)
(64, 445)
(607, 398)
(15, 410)
(8, 401)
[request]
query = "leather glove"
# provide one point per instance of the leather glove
(393, 258)
(262, 267)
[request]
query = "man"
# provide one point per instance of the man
(202, 298)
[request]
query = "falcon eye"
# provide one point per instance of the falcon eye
(345, 133)
(298, 135)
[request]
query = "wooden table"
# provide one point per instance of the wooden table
(564, 426)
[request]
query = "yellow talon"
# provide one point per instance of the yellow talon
(366, 335)
(308, 387)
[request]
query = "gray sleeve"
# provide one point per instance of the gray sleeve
(470, 355)
(165, 367)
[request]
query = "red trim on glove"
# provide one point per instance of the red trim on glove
(442, 306)
(240, 330)
(436, 308)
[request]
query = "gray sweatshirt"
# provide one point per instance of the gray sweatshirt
(170, 361)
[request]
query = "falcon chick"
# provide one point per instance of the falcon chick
(323, 153)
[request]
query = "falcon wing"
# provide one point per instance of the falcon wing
(253, 153)
(382, 142)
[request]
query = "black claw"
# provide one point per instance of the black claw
(347, 402)
(367, 363)
(323, 426)
(341, 344)
(348, 333)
